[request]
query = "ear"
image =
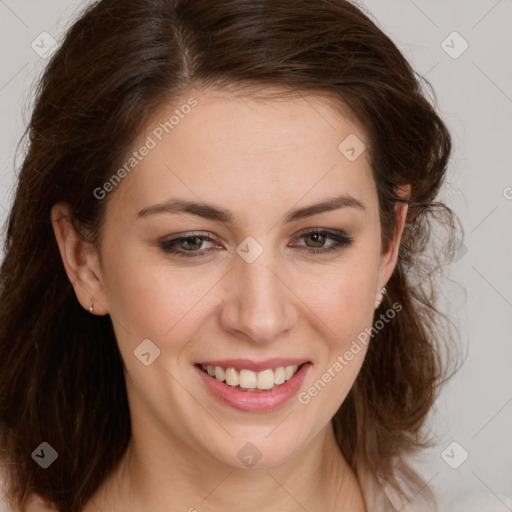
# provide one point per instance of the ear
(390, 257)
(80, 260)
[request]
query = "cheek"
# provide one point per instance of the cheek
(343, 297)
(148, 300)
(160, 300)
(345, 305)
(155, 303)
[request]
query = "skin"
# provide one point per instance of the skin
(259, 159)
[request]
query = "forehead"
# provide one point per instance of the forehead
(247, 149)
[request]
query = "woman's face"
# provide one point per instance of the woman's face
(207, 260)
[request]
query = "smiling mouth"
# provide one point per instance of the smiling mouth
(247, 380)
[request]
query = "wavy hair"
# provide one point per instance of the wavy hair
(119, 62)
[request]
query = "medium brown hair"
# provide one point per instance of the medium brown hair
(62, 374)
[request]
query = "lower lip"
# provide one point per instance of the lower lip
(255, 401)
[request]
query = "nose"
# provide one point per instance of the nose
(258, 304)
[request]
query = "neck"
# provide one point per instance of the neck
(150, 477)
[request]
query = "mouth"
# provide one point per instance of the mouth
(253, 387)
(244, 379)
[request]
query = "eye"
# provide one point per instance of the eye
(188, 245)
(317, 238)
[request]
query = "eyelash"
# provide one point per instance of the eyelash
(341, 241)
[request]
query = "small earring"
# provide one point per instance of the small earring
(91, 307)
(378, 300)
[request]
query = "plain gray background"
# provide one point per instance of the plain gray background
(474, 97)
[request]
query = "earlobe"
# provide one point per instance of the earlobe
(80, 261)
(380, 297)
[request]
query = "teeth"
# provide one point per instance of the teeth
(249, 380)
(266, 379)
(246, 379)
(220, 374)
(232, 378)
(279, 375)
(288, 372)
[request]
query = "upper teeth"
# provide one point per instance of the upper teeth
(248, 379)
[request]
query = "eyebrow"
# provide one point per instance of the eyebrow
(207, 211)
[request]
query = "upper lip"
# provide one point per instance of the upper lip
(255, 366)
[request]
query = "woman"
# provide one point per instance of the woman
(214, 293)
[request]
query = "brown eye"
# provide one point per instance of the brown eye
(315, 241)
(318, 239)
(187, 246)
(192, 243)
